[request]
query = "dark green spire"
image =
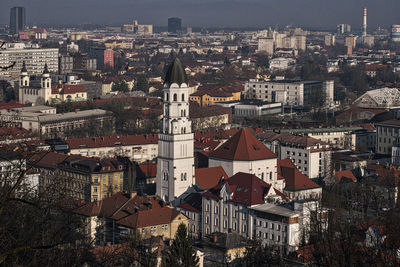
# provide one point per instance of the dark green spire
(175, 73)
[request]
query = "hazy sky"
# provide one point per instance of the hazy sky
(259, 13)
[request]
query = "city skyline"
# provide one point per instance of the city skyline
(240, 14)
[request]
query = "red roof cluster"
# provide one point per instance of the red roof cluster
(247, 189)
(243, 146)
(131, 210)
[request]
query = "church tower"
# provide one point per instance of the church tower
(175, 162)
(24, 77)
(45, 82)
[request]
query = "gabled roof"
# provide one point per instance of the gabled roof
(243, 146)
(295, 180)
(132, 211)
(345, 176)
(247, 189)
(207, 178)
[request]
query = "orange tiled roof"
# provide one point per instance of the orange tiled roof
(243, 146)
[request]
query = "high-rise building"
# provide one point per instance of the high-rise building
(17, 20)
(174, 25)
(35, 59)
(395, 33)
(175, 162)
(343, 29)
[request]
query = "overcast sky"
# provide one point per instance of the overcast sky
(220, 13)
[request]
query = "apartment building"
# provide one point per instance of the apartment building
(82, 178)
(387, 136)
(206, 96)
(139, 148)
(291, 92)
(53, 125)
(311, 156)
(35, 59)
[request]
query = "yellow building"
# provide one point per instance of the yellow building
(91, 179)
(207, 97)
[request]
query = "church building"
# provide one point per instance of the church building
(40, 92)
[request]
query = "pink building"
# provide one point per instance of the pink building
(109, 58)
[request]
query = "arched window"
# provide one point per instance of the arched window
(181, 176)
(166, 97)
(181, 113)
(262, 176)
(26, 83)
(185, 176)
(48, 85)
(183, 97)
(175, 97)
(182, 130)
(270, 175)
(184, 113)
(165, 176)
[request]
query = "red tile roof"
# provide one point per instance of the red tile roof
(110, 141)
(11, 105)
(207, 178)
(147, 170)
(49, 160)
(295, 180)
(247, 189)
(243, 146)
(132, 211)
(67, 89)
(345, 176)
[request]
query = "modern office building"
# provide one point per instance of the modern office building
(174, 25)
(17, 20)
(291, 92)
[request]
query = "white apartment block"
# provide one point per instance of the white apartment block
(311, 156)
(35, 60)
(291, 93)
(388, 136)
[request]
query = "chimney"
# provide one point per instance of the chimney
(215, 238)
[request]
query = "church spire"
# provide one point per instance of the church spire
(175, 73)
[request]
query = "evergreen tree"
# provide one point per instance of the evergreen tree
(142, 84)
(181, 252)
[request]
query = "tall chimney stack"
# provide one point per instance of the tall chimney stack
(364, 33)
